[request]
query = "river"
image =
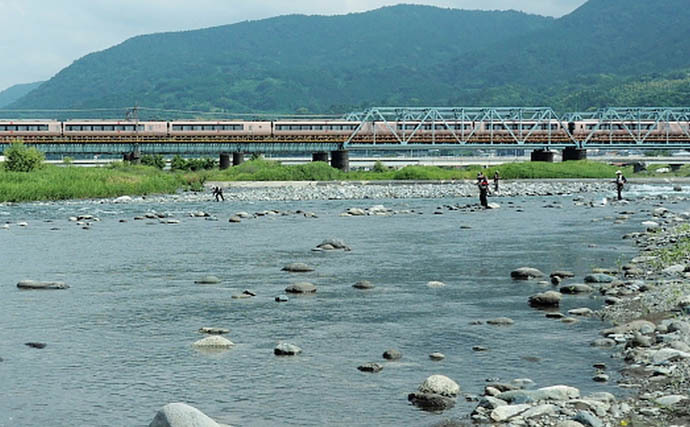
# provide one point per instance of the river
(119, 341)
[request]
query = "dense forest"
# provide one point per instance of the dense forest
(605, 53)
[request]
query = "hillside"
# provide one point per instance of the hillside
(15, 92)
(400, 55)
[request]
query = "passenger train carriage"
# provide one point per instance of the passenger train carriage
(340, 130)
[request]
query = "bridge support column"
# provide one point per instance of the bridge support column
(572, 153)
(340, 159)
(639, 167)
(542, 156)
(675, 166)
(321, 156)
(224, 161)
(237, 158)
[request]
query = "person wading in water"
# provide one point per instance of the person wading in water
(620, 182)
(218, 193)
(497, 176)
(483, 185)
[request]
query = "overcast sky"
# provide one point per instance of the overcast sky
(40, 37)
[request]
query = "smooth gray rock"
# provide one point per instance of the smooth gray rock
(526, 273)
(298, 267)
(37, 285)
(489, 402)
(504, 413)
(181, 415)
(437, 356)
(282, 298)
(440, 384)
(514, 397)
(546, 299)
(563, 274)
(333, 244)
(588, 419)
(286, 349)
(301, 288)
(576, 288)
(392, 354)
(599, 278)
(371, 367)
(363, 285)
(214, 341)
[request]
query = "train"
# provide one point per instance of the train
(342, 129)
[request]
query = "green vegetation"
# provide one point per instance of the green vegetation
(678, 252)
(20, 158)
(69, 182)
(61, 183)
(181, 164)
(605, 53)
(266, 170)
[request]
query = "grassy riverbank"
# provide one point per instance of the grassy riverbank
(62, 183)
(265, 170)
(69, 182)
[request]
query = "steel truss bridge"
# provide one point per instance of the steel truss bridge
(390, 128)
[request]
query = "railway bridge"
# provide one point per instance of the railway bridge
(541, 130)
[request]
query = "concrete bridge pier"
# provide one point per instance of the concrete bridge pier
(572, 153)
(320, 156)
(542, 156)
(340, 159)
(237, 158)
(224, 161)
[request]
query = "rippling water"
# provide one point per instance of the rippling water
(119, 341)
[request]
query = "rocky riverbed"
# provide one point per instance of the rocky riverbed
(648, 302)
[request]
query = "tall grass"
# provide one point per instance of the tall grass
(60, 183)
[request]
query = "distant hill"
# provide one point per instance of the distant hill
(400, 55)
(15, 92)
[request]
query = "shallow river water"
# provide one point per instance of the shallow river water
(119, 341)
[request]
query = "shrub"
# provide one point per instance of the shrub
(378, 167)
(67, 160)
(20, 158)
(156, 160)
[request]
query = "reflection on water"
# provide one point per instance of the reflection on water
(119, 342)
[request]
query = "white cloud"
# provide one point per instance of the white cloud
(40, 37)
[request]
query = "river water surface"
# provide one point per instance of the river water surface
(119, 341)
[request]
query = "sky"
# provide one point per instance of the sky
(38, 38)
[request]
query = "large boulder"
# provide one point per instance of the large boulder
(526, 273)
(36, 285)
(301, 288)
(440, 384)
(546, 299)
(363, 285)
(392, 354)
(181, 415)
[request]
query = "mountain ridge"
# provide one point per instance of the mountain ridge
(397, 55)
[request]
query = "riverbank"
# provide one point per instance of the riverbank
(121, 179)
(648, 302)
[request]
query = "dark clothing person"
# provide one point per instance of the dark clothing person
(218, 193)
(620, 182)
(483, 186)
(496, 178)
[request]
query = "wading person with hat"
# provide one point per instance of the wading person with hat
(483, 185)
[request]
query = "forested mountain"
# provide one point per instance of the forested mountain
(15, 92)
(607, 50)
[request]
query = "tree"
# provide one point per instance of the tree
(20, 158)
